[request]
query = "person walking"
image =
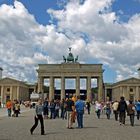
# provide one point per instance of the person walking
(131, 112)
(16, 108)
(108, 110)
(38, 117)
(9, 107)
(115, 109)
(88, 106)
(79, 105)
(122, 108)
(70, 107)
(138, 109)
(98, 108)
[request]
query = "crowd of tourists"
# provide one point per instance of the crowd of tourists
(73, 108)
(120, 109)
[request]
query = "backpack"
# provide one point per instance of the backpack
(131, 109)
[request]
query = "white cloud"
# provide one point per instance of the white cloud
(23, 42)
(136, 0)
(91, 29)
(111, 43)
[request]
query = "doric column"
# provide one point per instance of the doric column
(77, 86)
(128, 92)
(62, 87)
(17, 92)
(40, 84)
(128, 89)
(121, 91)
(100, 88)
(137, 93)
(51, 88)
(89, 88)
(11, 93)
(2, 94)
(105, 94)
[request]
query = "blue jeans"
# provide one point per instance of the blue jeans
(52, 114)
(80, 118)
(9, 112)
(108, 112)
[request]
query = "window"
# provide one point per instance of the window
(131, 89)
(8, 89)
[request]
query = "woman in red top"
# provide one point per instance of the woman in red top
(9, 107)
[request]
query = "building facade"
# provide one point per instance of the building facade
(13, 89)
(129, 88)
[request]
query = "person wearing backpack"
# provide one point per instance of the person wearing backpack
(131, 112)
(122, 108)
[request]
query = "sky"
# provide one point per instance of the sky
(36, 32)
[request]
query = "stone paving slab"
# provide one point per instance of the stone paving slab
(94, 129)
(3, 111)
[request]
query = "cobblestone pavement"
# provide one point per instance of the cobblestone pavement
(94, 129)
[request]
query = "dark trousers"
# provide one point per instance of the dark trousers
(52, 114)
(80, 119)
(16, 113)
(98, 112)
(122, 116)
(63, 113)
(57, 113)
(88, 108)
(138, 114)
(132, 119)
(40, 118)
(116, 114)
(108, 112)
(9, 112)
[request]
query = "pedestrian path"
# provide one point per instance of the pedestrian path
(3, 111)
(94, 129)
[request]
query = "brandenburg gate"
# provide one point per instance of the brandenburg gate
(70, 68)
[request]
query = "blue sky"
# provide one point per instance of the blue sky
(125, 9)
(105, 31)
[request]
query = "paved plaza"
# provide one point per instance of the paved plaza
(94, 129)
